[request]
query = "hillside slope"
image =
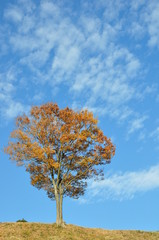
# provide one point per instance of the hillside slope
(33, 231)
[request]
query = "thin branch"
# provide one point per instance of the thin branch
(78, 175)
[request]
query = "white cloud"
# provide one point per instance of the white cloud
(137, 124)
(48, 8)
(14, 108)
(137, 30)
(136, 4)
(123, 185)
(38, 97)
(83, 54)
(9, 106)
(27, 24)
(108, 77)
(127, 112)
(13, 13)
(112, 9)
(66, 59)
(155, 134)
(144, 21)
(152, 21)
(6, 88)
(142, 136)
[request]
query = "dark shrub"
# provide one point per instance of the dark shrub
(21, 220)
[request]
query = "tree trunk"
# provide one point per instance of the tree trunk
(61, 208)
(59, 213)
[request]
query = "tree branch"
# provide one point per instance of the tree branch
(78, 175)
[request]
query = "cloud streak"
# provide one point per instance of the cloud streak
(123, 186)
(57, 45)
(137, 124)
(11, 106)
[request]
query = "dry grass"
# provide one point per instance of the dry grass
(33, 231)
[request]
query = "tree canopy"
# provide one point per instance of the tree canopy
(61, 149)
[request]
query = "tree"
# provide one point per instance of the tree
(61, 149)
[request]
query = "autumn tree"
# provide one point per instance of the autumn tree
(61, 149)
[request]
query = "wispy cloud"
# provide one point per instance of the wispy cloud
(155, 134)
(85, 54)
(14, 14)
(10, 107)
(137, 124)
(123, 186)
(147, 22)
(135, 4)
(152, 21)
(14, 108)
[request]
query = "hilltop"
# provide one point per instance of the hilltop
(39, 231)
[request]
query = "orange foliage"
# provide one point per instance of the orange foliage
(60, 148)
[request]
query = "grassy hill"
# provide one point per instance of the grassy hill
(32, 231)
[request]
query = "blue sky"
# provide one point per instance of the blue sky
(102, 55)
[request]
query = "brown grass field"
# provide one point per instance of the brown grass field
(31, 231)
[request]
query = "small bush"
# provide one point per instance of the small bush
(21, 220)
